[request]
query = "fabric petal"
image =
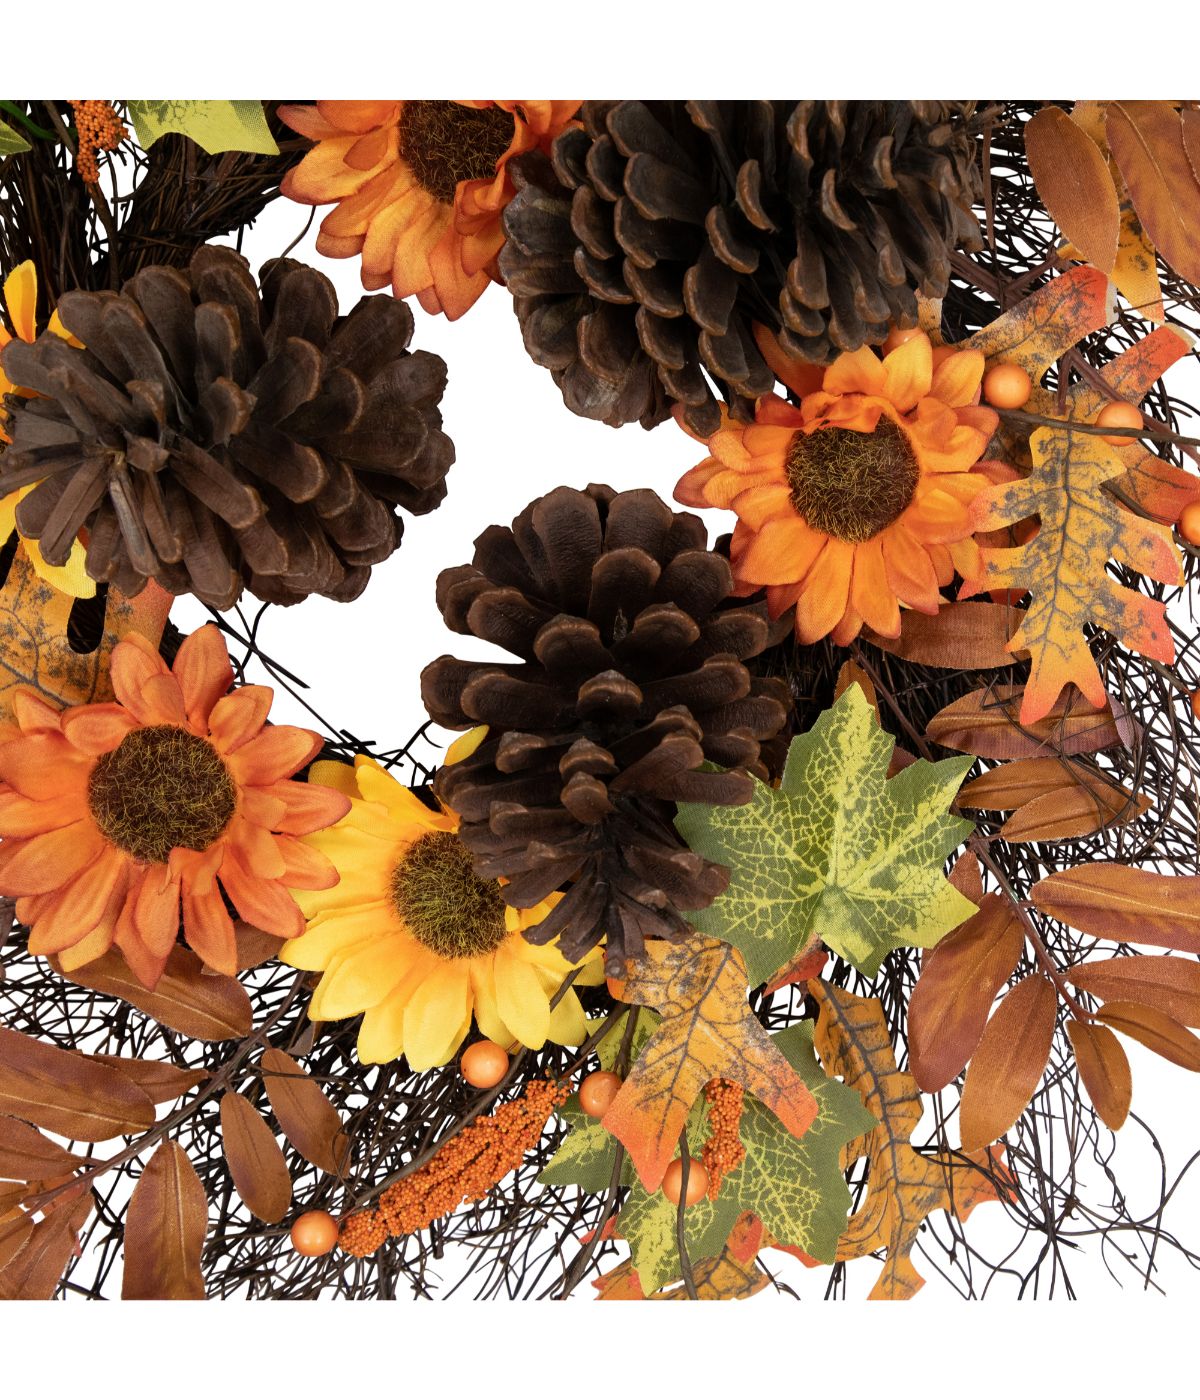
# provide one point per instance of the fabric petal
(520, 997)
(204, 674)
(437, 1016)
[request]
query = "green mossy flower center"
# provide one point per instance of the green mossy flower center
(852, 485)
(444, 904)
(161, 787)
(445, 142)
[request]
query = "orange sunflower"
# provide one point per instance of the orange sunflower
(116, 817)
(419, 187)
(859, 499)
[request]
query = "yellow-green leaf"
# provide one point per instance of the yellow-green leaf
(838, 850)
(216, 126)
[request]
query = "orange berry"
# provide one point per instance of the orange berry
(1119, 414)
(1007, 386)
(484, 1064)
(597, 1092)
(1196, 705)
(898, 336)
(314, 1233)
(697, 1186)
(1189, 522)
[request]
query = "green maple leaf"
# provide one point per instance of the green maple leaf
(837, 851)
(793, 1184)
(216, 126)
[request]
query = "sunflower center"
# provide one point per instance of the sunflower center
(161, 787)
(445, 142)
(445, 905)
(852, 485)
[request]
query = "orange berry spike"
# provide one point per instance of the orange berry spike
(464, 1169)
(723, 1152)
(98, 128)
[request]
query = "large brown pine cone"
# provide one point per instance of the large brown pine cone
(212, 435)
(641, 255)
(631, 677)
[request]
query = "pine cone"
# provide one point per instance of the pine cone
(631, 677)
(212, 435)
(641, 254)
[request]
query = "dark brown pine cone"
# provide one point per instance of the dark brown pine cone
(630, 678)
(213, 435)
(642, 254)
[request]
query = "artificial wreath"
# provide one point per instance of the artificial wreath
(789, 894)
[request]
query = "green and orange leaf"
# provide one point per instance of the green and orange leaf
(708, 1031)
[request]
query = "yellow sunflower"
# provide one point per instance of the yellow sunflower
(20, 300)
(414, 941)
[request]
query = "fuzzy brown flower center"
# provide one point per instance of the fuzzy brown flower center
(161, 787)
(444, 904)
(852, 485)
(445, 142)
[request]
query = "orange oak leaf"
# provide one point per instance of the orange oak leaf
(903, 1185)
(698, 986)
(1081, 490)
(38, 644)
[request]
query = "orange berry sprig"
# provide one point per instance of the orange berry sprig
(464, 1169)
(99, 129)
(723, 1152)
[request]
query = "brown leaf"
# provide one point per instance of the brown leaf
(12, 1193)
(25, 1155)
(1155, 1030)
(15, 1230)
(1104, 1069)
(959, 980)
(1079, 810)
(1023, 781)
(165, 1228)
(968, 636)
(1074, 184)
(1171, 985)
(903, 1186)
(256, 1160)
(254, 945)
(67, 1093)
(985, 723)
(851, 673)
(967, 877)
(33, 1272)
(1009, 1062)
(200, 1007)
(1125, 905)
(159, 1081)
(707, 1032)
(309, 1121)
(1146, 140)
